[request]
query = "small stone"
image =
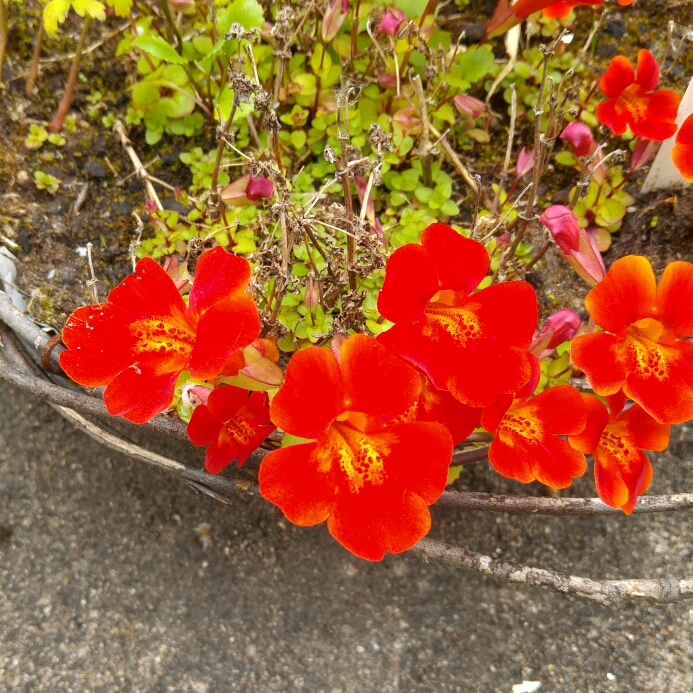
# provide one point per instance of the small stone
(123, 208)
(606, 51)
(95, 169)
(616, 28)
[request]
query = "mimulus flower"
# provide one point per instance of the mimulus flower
(644, 349)
(472, 344)
(617, 439)
(506, 16)
(682, 153)
(139, 341)
(633, 102)
(369, 471)
(234, 421)
(527, 446)
(560, 10)
(247, 189)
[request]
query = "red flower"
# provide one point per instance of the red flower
(527, 446)
(370, 471)
(682, 153)
(633, 102)
(473, 344)
(644, 349)
(506, 17)
(234, 423)
(140, 340)
(617, 438)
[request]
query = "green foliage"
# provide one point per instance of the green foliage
(36, 137)
(47, 182)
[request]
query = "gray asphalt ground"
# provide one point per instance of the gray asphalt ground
(107, 583)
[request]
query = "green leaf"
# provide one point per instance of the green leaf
(153, 136)
(159, 48)
(445, 113)
(248, 13)
(566, 159)
(412, 8)
(122, 7)
(144, 93)
(450, 208)
(298, 138)
(475, 63)
(454, 473)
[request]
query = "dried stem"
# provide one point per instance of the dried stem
(456, 162)
(92, 281)
(34, 67)
(344, 172)
(3, 35)
(424, 142)
(66, 101)
(508, 150)
(607, 592)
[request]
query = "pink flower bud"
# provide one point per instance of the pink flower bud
(392, 21)
(334, 18)
(563, 225)
(387, 80)
(247, 189)
(644, 150)
(312, 295)
(469, 106)
(194, 395)
(503, 241)
(525, 162)
(579, 136)
(558, 328)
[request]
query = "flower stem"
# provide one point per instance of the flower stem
(33, 69)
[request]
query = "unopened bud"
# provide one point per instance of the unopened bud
(563, 225)
(558, 328)
(579, 136)
(392, 21)
(312, 295)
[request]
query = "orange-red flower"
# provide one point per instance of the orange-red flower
(234, 421)
(682, 153)
(506, 16)
(472, 344)
(139, 341)
(633, 102)
(644, 350)
(527, 446)
(369, 471)
(617, 439)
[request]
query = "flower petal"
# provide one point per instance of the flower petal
(218, 274)
(139, 394)
(379, 519)
(377, 383)
(225, 401)
(674, 304)
(625, 295)
(410, 283)
(148, 292)
(637, 425)
(598, 356)
(228, 325)
(620, 477)
(648, 70)
(203, 428)
(419, 457)
(461, 263)
(657, 119)
(597, 418)
(618, 76)
(560, 410)
(312, 395)
(615, 119)
(100, 344)
(301, 481)
(682, 153)
(440, 406)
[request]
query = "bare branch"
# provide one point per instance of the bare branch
(607, 592)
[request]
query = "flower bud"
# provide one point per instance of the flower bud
(525, 162)
(558, 328)
(579, 136)
(563, 225)
(392, 21)
(312, 295)
(469, 106)
(247, 189)
(332, 22)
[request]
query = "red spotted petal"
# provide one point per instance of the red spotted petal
(646, 433)
(621, 475)
(139, 394)
(301, 480)
(148, 292)
(625, 295)
(239, 437)
(648, 70)
(560, 410)
(418, 457)
(381, 519)
(656, 118)
(618, 76)
(492, 415)
(99, 342)
(598, 355)
(226, 326)
(660, 378)
(218, 274)
(682, 153)
(461, 263)
(410, 283)
(312, 395)
(376, 382)
(597, 418)
(440, 406)
(203, 428)
(674, 305)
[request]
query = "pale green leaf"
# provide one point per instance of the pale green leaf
(159, 48)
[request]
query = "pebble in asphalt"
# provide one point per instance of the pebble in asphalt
(114, 577)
